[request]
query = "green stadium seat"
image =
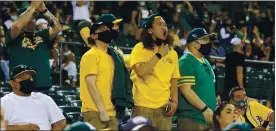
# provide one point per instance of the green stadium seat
(74, 116)
(72, 97)
(68, 109)
(61, 102)
(65, 93)
(76, 103)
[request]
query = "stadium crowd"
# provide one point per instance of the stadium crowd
(166, 85)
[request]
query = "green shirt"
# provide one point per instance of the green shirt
(21, 52)
(202, 77)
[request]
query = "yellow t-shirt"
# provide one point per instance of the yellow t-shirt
(95, 61)
(154, 90)
(256, 113)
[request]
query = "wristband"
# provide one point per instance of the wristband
(158, 55)
(204, 109)
(44, 11)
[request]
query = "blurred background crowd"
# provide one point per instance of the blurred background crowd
(253, 22)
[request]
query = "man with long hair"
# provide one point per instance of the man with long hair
(154, 74)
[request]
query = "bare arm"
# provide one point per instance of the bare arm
(272, 117)
(190, 8)
(143, 69)
(60, 125)
(191, 96)
(174, 90)
(56, 28)
(133, 23)
(240, 76)
(18, 25)
(93, 91)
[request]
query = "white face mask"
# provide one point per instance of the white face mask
(14, 17)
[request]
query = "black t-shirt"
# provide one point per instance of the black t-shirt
(232, 61)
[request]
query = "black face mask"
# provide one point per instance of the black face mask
(27, 86)
(159, 42)
(105, 36)
(114, 34)
(205, 49)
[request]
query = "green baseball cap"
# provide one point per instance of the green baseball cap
(197, 34)
(148, 22)
(19, 69)
(80, 126)
(108, 18)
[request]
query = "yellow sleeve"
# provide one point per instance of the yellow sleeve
(264, 112)
(137, 55)
(89, 65)
(176, 73)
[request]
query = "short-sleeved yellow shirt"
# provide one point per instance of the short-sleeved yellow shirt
(153, 91)
(256, 114)
(97, 62)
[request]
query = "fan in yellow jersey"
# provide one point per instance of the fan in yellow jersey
(154, 73)
(100, 82)
(251, 112)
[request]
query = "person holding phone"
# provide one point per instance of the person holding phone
(154, 74)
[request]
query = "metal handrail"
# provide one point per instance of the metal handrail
(246, 60)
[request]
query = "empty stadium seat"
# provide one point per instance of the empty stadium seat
(65, 93)
(72, 97)
(68, 109)
(76, 103)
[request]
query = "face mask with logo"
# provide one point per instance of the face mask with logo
(242, 104)
(205, 49)
(105, 36)
(27, 86)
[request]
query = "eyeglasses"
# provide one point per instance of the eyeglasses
(207, 69)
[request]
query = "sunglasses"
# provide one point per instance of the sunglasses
(207, 69)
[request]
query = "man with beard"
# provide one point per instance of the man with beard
(197, 99)
(154, 74)
(104, 81)
(30, 47)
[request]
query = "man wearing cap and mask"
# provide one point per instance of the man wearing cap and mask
(250, 111)
(103, 79)
(110, 20)
(27, 110)
(197, 99)
(234, 68)
(28, 46)
(154, 74)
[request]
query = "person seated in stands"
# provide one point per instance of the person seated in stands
(28, 110)
(250, 111)
(71, 68)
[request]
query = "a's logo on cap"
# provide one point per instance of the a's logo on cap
(194, 35)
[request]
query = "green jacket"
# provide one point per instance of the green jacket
(122, 85)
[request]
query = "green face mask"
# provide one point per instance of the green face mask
(242, 104)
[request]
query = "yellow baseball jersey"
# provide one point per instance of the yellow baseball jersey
(256, 113)
(97, 62)
(153, 91)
